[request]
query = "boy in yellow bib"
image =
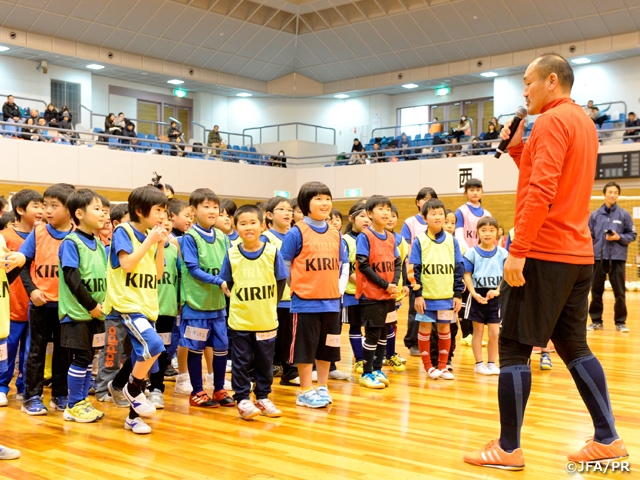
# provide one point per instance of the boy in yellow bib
(256, 275)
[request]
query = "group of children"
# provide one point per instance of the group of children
(265, 286)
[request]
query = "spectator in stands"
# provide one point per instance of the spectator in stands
(169, 191)
(404, 146)
(435, 127)
(10, 111)
(357, 146)
(632, 121)
(496, 124)
(597, 117)
(175, 137)
(35, 114)
(65, 123)
(29, 130)
(454, 149)
(110, 126)
(122, 121)
(130, 135)
(214, 139)
(377, 156)
(64, 110)
(463, 128)
(588, 109)
(492, 133)
(43, 131)
(50, 113)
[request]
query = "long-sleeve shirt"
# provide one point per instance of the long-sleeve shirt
(618, 220)
(557, 170)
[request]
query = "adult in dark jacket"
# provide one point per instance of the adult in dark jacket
(10, 111)
(66, 124)
(612, 230)
(110, 126)
(51, 113)
(175, 136)
(29, 131)
(357, 146)
(130, 135)
(64, 110)
(631, 122)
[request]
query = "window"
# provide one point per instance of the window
(69, 94)
(413, 116)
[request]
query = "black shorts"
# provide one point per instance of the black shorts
(164, 327)
(79, 335)
(315, 336)
(374, 315)
(482, 313)
(551, 304)
(352, 315)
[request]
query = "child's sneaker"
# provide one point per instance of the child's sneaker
(228, 386)
(545, 362)
(208, 382)
(223, 398)
(466, 341)
(34, 406)
(80, 413)
(434, 373)
(482, 369)
(228, 367)
(8, 453)
(446, 375)
(277, 371)
(323, 393)
(493, 368)
(310, 399)
(314, 376)
(137, 425)
(247, 410)
(450, 366)
(91, 408)
(183, 384)
(104, 397)
(381, 377)
(140, 404)
(201, 399)
(338, 375)
(267, 408)
(395, 363)
(370, 381)
(20, 396)
(491, 455)
(358, 367)
(119, 398)
(594, 452)
(59, 403)
(3, 399)
(156, 397)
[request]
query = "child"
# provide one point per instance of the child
(167, 313)
(438, 268)
(202, 291)
(136, 262)
(256, 275)
(83, 279)
(484, 267)
(393, 359)
(319, 274)
(279, 214)
(181, 217)
(40, 279)
(28, 210)
(117, 347)
(467, 217)
(412, 227)
(378, 271)
(358, 222)
(298, 216)
(9, 270)
(336, 219)
(107, 230)
(226, 220)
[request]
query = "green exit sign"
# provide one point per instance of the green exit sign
(353, 192)
(283, 193)
(179, 92)
(441, 92)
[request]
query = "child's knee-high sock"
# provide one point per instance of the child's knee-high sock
(194, 364)
(87, 381)
(424, 344)
(391, 341)
(355, 338)
(219, 370)
(75, 383)
(444, 344)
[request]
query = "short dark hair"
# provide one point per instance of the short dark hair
(262, 206)
(376, 200)
(394, 209)
(472, 183)
(80, 199)
(104, 200)
(229, 206)
(273, 202)
(59, 191)
(170, 188)
(447, 212)
(23, 198)
(6, 219)
(336, 213)
(118, 211)
(487, 221)
(632, 113)
(553, 63)
(248, 208)
(294, 203)
(425, 192)
(200, 195)
(611, 184)
(144, 199)
(432, 204)
(3, 203)
(308, 191)
(177, 205)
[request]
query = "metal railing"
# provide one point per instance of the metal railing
(79, 138)
(297, 125)
(505, 117)
(446, 125)
(205, 135)
(15, 97)
(102, 116)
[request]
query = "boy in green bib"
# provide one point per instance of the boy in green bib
(256, 275)
(83, 279)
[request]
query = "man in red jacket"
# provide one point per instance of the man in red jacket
(550, 265)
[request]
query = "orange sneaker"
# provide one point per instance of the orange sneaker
(594, 452)
(491, 455)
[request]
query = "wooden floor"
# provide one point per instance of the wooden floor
(417, 428)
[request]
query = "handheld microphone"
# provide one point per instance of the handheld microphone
(521, 112)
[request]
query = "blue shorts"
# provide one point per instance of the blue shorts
(145, 340)
(4, 355)
(437, 316)
(198, 333)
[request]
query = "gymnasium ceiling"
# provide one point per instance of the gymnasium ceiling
(327, 41)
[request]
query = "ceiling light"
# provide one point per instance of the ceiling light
(3, 49)
(243, 94)
(341, 95)
(580, 61)
(175, 82)
(410, 85)
(95, 66)
(488, 74)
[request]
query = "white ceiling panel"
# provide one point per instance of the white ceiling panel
(96, 34)
(233, 66)
(113, 14)
(357, 68)
(333, 42)
(579, 8)
(525, 12)
(218, 61)
(375, 39)
(456, 24)
(38, 4)
(277, 43)
(137, 15)
(222, 33)
(21, 18)
(517, 40)
(591, 27)
(552, 10)
(492, 43)
(634, 13)
(239, 38)
(431, 55)
(199, 57)
(61, 8)
(180, 53)
(183, 25)
(472, 48)
(390, 34)
(119, 39)
(73, 29)
(201, 30)
(318, 48)
(410, 58)
(251, 69)
(392, 61)
(410, 30)
(88, 10)
(261, 38)
(540, 35)
(374, 65)
(618, 22)
(353, 41)
(608, 6)
(499, 15)
(140, 44)
(48, 24)
(473, 15)
(565, 32)
(451, 52)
